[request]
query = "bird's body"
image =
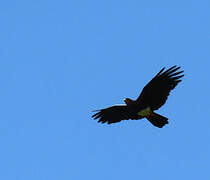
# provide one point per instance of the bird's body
(152, 97)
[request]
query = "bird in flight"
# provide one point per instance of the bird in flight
(152, 97)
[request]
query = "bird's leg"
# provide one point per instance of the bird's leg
(145, 112)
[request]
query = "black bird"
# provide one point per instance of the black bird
(152, 97)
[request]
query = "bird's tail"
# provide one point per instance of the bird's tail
(157, 120)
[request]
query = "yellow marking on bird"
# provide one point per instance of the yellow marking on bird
(145, 112)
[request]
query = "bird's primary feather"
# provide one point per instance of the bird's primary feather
(115, 114)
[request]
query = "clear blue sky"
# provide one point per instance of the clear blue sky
(59, 60)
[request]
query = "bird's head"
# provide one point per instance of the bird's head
(128, 101)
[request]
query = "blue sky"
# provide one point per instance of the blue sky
(59, 60)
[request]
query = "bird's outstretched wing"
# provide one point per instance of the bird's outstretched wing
(114, 114)
(155, 93)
